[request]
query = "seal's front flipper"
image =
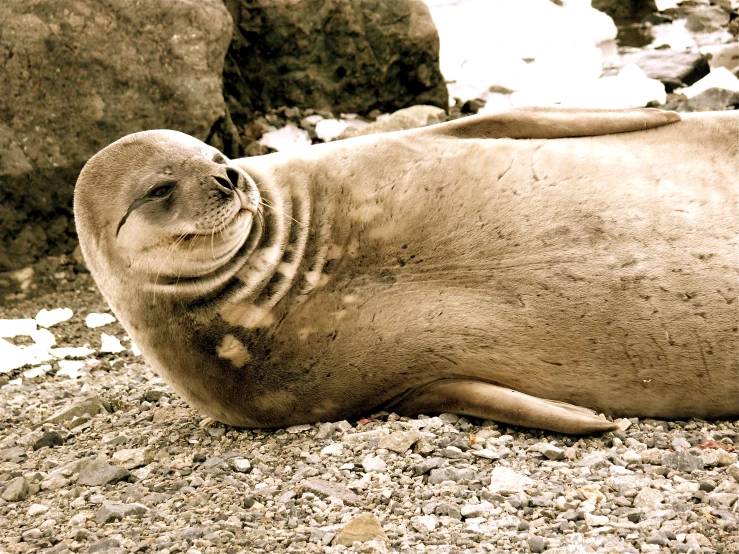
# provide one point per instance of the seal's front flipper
(550, 123)
(488, 401)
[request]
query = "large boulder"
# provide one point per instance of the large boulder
(674, 69)
(79, 74)
(625, 8)
(341, 55)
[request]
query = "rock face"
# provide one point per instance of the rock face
(625, 8)
(674, 69)
(79, 74)
(333, 55)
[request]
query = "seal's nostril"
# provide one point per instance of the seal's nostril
(233, 176)
(225, 183)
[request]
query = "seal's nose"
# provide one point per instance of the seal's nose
(231, 183)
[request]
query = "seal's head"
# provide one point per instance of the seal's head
(160, 207)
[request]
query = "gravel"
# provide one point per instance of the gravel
(113, 461)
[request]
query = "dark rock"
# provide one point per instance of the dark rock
(625, 8)
(79, 74)
(657, 19)
(332, 55)
(198, 458)
(95, 473)
(154, 395)
(673, 69)
(472, 106)
(50, 439)
(712, 99)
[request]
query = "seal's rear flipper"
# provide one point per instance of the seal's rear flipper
(550, 123)
(488, 401)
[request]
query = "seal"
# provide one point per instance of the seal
(488, 266)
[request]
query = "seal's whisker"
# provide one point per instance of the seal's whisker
(263, 201)
(212, 236)
(170, 250)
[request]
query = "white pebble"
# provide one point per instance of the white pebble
(335, 449)
(36, 509)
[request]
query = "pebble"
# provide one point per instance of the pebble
(361, 528)
(506, 481)
(682, 461)
(49, 439)
(111, 511)
(335, 449)
(89, 406)
(37, 509)
(400, 441)
(477, 510)
(16, 491)
(131, 458)
(96, 473)
(374, 463)
(424, 524)
(537, 544)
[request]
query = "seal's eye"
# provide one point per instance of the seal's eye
(161, 191)
(219, 159)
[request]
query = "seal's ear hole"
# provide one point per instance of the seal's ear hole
(233, 176)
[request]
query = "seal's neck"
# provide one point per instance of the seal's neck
(288, 263)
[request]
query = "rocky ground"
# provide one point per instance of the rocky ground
(110, 460)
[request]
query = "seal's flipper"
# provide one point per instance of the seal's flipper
(488, 401)
(550, 123)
